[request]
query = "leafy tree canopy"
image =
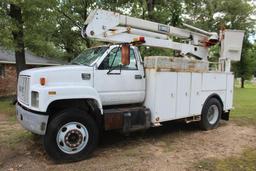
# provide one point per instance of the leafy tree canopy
(52, 27)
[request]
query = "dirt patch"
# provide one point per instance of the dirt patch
(2, 117)
(175, 146)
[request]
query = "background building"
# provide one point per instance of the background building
(8, 69)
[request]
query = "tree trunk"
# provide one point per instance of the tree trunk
(242, 82)
(18, 38)
(150, 5)
(85, 15)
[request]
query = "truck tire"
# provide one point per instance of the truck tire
(211, 114)
(71, 136)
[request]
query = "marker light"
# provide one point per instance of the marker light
(42, 81)
(52, 93)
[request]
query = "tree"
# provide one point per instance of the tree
(238, 16)
(18, 37)
(246, 67)
(70, 16)
(212, 15)
(161, 11)
(52, 27)
(25, 27)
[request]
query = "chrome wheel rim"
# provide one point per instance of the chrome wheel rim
(213, 114)
(72, 137)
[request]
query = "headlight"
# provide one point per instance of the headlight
(35, 99)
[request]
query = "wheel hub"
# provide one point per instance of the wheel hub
(72, 137)
(213, 114)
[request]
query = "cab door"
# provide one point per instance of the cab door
(117, 84)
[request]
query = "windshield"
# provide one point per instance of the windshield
(89, 56)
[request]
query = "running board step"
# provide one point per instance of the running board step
(193, 119)
(127, 119)
(156, 124)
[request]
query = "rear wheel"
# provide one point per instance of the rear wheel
(211, 114)
(71, 136)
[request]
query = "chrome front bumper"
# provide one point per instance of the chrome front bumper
(36, 123)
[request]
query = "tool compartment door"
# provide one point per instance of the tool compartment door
(195, 94)
(165, 94)
(229, 92)
(183, 95)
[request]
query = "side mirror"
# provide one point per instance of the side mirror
(125, 54)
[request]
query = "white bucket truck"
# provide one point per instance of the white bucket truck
(110, 87)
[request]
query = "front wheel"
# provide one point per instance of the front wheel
(71, 136)
(211, 114)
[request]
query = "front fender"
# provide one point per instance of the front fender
(64, 93)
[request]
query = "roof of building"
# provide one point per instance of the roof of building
(7, 56)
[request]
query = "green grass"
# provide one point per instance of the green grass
(10, 136)
(243, 114)
(7, 109)
(6, 106)
(245, 162)
(245, 106)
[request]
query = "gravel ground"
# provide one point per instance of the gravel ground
(174, 146)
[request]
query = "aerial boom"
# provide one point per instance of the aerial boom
(113, 27)
(116, 28)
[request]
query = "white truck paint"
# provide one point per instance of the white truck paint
(175, 95)
(169, 95)
(69, 104)
(64, 80)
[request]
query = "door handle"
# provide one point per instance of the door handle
(138, 77)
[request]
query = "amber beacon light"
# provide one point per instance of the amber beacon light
(42, 81)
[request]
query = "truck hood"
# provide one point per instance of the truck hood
(61, 75)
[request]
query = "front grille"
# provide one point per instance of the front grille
(23, 89)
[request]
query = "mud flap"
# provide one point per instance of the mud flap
(225, 115)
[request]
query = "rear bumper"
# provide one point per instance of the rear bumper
(36, 123)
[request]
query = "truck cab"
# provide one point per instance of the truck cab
(93, 80)
(94, 74)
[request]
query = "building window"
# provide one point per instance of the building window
(1, 70)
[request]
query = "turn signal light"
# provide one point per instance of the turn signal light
(42, 81)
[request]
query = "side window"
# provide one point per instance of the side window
(115, 61)
(133, 62)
